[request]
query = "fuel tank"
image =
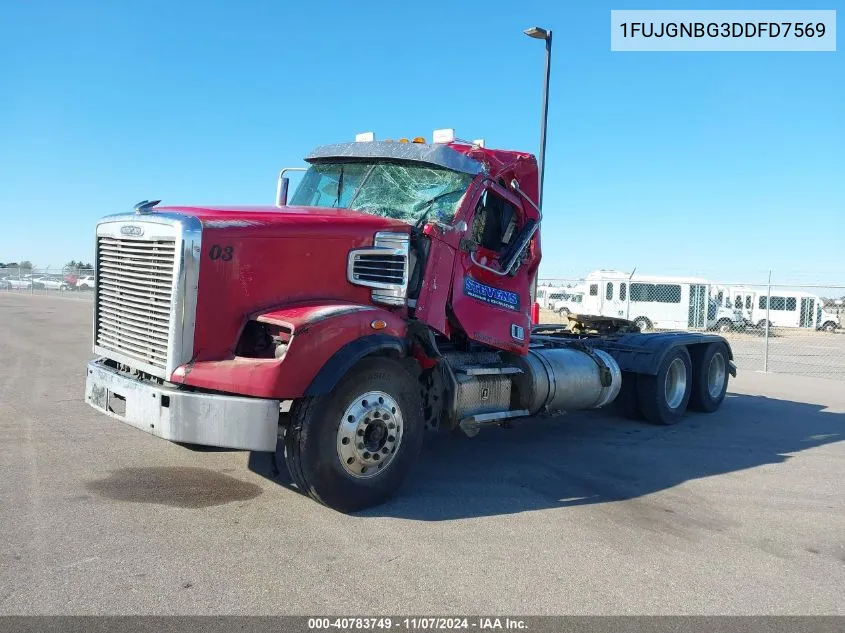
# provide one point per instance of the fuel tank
(565, 379)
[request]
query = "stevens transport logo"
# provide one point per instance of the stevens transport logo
(491, 295)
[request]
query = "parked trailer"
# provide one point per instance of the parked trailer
(657, 302)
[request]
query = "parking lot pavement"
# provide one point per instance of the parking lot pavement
(738, 512)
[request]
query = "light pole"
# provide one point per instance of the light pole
(542, 34)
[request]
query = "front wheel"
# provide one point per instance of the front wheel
(643, 324)
(352, 448)
(830, 326)
(724, 326)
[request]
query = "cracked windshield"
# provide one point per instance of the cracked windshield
(407, 192)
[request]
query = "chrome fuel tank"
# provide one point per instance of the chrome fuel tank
(564, 379)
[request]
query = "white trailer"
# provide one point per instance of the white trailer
(656, 302)
(787, 308)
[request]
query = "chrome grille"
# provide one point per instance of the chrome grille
(135, 280)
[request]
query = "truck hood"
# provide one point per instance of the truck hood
(271, 221)
(253, 259)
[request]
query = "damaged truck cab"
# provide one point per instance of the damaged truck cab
(391, 295)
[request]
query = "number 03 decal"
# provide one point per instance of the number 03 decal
(221, 252)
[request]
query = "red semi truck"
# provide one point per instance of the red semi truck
(390, 296)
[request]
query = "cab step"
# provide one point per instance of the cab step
(472, 425)
(487, 370)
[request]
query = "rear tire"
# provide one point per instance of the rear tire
(664, 397)
(709, 377)
(627, 402)
(375, 394)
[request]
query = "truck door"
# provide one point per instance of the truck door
(490, 308)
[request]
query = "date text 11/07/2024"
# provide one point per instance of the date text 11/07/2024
(417, 624)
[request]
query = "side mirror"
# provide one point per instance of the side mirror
(282, 192)
(283, 184)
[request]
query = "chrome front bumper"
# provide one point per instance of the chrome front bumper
(183, 416)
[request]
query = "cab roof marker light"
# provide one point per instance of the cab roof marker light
(444, 136)
(365, 137)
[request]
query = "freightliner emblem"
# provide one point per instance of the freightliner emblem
(134, 231)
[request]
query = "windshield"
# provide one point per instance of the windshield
(402, 191)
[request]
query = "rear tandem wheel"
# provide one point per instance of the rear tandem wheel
(709, 377)
(697, 379)
(663, 398)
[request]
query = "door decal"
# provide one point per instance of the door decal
(491, 295)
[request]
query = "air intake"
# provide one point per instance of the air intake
(384, 267)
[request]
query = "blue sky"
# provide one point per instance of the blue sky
(721, 164)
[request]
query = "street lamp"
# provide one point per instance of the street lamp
(541, 34)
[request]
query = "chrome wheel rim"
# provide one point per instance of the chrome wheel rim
(716, 375)
(676, 383)
(369, 434)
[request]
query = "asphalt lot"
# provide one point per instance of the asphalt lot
(738, 512)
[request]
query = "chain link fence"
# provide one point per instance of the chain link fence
(47, 280)
(772, 327)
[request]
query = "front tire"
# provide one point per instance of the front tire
(643, 323)
(830, 326)
(352, 448)
(724, 326)
(664, 397)
(709, 377)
